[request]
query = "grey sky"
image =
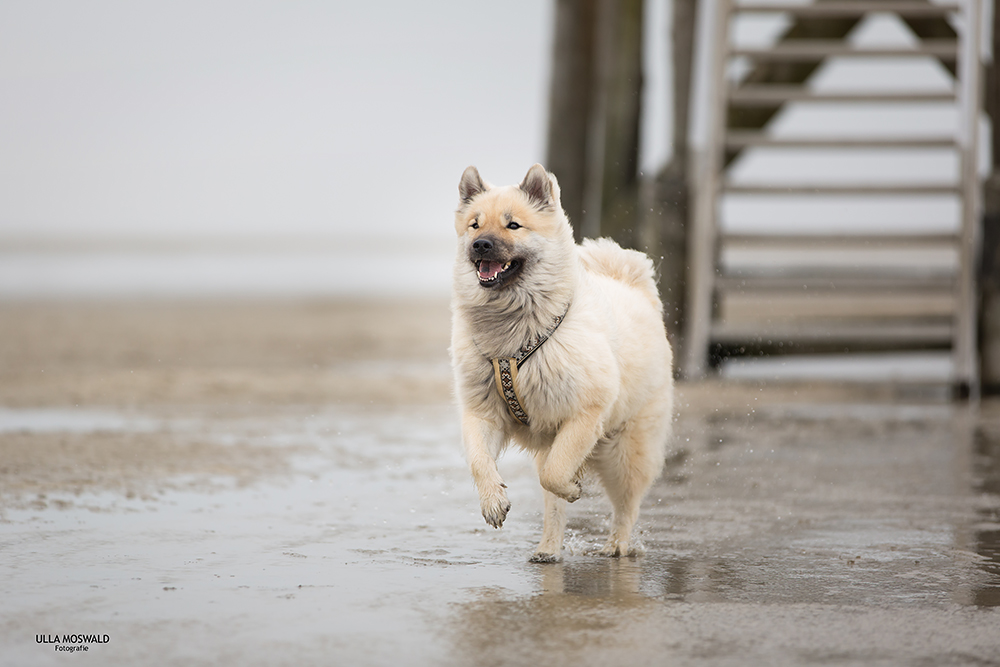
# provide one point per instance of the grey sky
(260, 117)
(306, 118)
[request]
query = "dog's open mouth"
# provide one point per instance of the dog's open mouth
(493, 274)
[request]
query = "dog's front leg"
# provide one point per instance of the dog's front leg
(572, 445)
(483, 440)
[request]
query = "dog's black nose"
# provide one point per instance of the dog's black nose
(482, 246)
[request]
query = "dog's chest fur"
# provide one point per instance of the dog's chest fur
(543, 384)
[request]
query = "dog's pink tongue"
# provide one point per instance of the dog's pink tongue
(488, 270)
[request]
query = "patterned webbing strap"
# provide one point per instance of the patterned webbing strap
(505, 372)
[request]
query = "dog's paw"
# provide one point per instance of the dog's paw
(542, 557)
(614, 550)
(571, 492)
(495, 507)
(620, 548)
(557, 483)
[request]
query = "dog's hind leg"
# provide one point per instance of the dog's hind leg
(553, 524)
(627, 465)
(553, 528)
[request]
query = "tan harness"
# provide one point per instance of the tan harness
(505, 372)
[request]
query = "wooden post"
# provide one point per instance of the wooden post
(989, 277)
(965, 353)
(667, 214)
(617, 142)
(570, 96)
(701, 239)
(594, 106)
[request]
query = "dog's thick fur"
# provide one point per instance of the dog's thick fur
(598, 393)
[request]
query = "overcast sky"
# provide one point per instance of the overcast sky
(120, 117)
(331, 117)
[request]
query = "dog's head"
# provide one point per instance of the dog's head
(507, 234)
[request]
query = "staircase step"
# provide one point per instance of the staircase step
(744, 139)
(843, 241)
(906, 333)
(844, 9)
(799, 307)
(853, 283)
(767, 95)
(845, 189)
(813, 49)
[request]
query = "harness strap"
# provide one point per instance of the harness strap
(505, 372)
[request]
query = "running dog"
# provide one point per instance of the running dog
(559, 349)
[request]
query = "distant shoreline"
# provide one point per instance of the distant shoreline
(230, 243)
(222, 267)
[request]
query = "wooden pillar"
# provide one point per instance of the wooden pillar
(989, 276)
(667, 230)
(594, 107)
(570, 95)
(613, 157)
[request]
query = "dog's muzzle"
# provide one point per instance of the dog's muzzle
(492, 264)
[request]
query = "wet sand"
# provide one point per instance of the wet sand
(282, 483)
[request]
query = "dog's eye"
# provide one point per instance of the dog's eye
(475, 225)
(513, 225)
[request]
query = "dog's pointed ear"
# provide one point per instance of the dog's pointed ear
(538, 186)
(470, 185)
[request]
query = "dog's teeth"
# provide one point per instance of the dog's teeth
(506, 266)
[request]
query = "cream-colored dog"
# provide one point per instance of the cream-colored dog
(594, 388)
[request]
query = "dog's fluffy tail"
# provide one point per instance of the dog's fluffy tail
(604, 256)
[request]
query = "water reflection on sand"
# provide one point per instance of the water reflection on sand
(779, 533)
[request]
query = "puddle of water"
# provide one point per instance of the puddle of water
(61, 420)
(986, 533)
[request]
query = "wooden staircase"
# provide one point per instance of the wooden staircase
(843, 288)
